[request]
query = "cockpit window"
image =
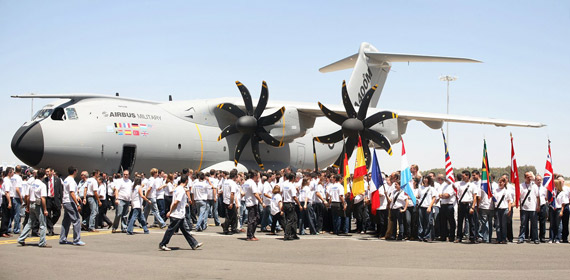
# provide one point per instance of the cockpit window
(58, 114)
(42, 114)
(71, 113)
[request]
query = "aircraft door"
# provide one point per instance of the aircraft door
(300, 156)
(128, 158)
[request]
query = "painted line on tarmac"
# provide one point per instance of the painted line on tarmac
(31, 240)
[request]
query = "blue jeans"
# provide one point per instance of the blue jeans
(36, 215)
(242, 214)
(424, 229)
(501, 216)
(121, 214)
(94, 207)
(265, 217)
(136, 214)
(154, 207)
(213, 209)
(16, 208)
(555, 228)
(202, 208)
(161, 208)
(525, 217)
(70, 216)
(432, 219)
(486, 225)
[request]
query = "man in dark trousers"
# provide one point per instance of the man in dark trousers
(53, 199)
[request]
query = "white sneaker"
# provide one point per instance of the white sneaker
(550, 242)
(557, 242)
(198, 246)
(164, 248)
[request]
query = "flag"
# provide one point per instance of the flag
(346, 174)
(359, 170)
(486, 172)
(448, 168)
(406, 176)
(515, 173)
(547, 180)
(134, 125)
(128, 132)
(142, 126)
(377, 183)
(136, 133)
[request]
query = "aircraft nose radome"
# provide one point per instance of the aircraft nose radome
(28, 144)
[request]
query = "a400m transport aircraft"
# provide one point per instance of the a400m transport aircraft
(112, 133)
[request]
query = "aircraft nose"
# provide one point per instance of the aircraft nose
(28, 144)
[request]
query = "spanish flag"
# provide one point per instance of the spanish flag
(359, 170)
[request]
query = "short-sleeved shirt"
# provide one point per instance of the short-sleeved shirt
(200, 191)
(124, 189)
(7, 187)
(16, 185)
(102, 191)
(398, 199)
(305, 193)
(447, 188)
(159, 192)
(542, 194)
(250, 189)
(267, 190)
(69, 185)
(180, 196)
(530, 203)
(561, 198)
(429, 193)
(211, 186)
(486, 203)
(91, 185)
(289, 191)
(503, 193)
(465, 187)
(229, 187)
(335, 191)
(38, 190)
(136, 198)
(275, 203)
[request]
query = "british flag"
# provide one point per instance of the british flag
(448, 169)
(547, 178)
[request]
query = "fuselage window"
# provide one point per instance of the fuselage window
(71, 113)
(58, 114)
(42, 114)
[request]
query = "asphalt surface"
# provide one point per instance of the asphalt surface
(324, 256)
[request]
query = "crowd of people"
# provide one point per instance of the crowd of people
(297, 203)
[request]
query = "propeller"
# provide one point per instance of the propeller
(356, 124)
(250, 123)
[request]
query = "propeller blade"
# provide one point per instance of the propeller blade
(228, 130)
(331, 138)
(365, 102)
(336, 118)
(347, 103)
(262, 101)
(239, 148)
(378, 117)
(255, 150)
(379, 139)
(271, 119)
(233, 109)
(246, 98)
(268, 139)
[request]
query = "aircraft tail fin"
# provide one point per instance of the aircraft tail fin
(372, 67)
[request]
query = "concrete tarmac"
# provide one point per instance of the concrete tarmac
(326, 256)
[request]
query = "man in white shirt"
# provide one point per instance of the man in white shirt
(566, 214)
(252, 200)
(7, 201)
(266, 194)
(213, 197)
(123, 189)
(543, 213)
(91, 197)
(337, 202)
(319, 201)
(176, 214)
(154, 183)
(466, 192)
(289, 199)
(530, 204)
(37, 209)
(447, 222)
(18, 198)
(71, 208)
(486, 213)
(229, 194)
(199, 193)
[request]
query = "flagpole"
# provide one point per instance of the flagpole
(315, 156)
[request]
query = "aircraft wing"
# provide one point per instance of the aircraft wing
(433, 120)
(79, 96)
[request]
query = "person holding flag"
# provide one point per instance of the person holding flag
(378, 198)
(359, 187)
(467, 194)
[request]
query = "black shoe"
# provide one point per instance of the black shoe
(296, 237)
(520, 241)
(536, 242)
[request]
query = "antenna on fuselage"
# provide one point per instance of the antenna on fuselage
(169, 97)
(116, 94)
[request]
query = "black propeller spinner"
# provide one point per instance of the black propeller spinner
(250, 123)
(356, 124)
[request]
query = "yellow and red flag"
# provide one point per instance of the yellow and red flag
(359, 170)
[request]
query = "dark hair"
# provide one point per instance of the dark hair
(466, 172)
(201, 176)
(41, 173)
(233, 173)
(475, 172)
(185, 171)
(138, 182)
(71, 170)
(184, 179)
(429, 178)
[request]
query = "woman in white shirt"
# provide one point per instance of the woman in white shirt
(276, 209)
(136, 206)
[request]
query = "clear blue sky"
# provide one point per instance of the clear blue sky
(150, 49)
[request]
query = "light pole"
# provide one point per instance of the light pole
(447, 79)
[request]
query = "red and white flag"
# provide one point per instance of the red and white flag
(515, 173)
